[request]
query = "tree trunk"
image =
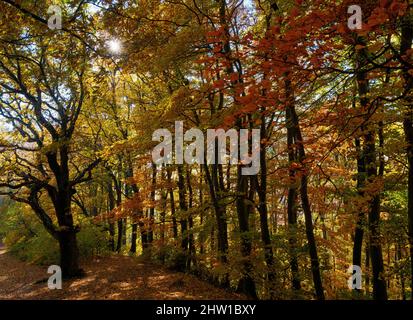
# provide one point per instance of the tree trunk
(263, 210)
(69, 254)
(399, 257)
(192, 249)
(379, 284)
(152, 208)
(120, 220)
(69, 251)
(292, 195)
(309, 228)
(111, 197)
(370, 158)
(172, 203)
(408, 129)
(246, 283)
(201, 218)
(221, 221)
(134, 237)
(367, 269)
(405, 45)
(183, 220)
(120, 234)
(124, 231)
(361, 219)
(112, 236)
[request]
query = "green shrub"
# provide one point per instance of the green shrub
(92, 240)
(26, 238)
(39, 249)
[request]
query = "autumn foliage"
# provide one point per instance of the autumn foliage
(333, 105)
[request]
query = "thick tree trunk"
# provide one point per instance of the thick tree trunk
(69, 254)
(69, 251)
(62, 200)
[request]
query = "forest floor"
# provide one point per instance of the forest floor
(110, 277)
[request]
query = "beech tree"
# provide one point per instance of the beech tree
(43, 93)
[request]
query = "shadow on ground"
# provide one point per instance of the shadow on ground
(114, 277)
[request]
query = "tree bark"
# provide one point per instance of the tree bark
(111, 200)
(152, 208)
(361, 218)
(183, 220)
(305, 202)
(134, 237)
(405, 45)
(69, 254)
(370, 158)
(246, 283)
(220, 219)
(192, 248)
(292, 194)
(172, 203)
(263, 209)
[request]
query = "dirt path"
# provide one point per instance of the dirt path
(114, 277)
